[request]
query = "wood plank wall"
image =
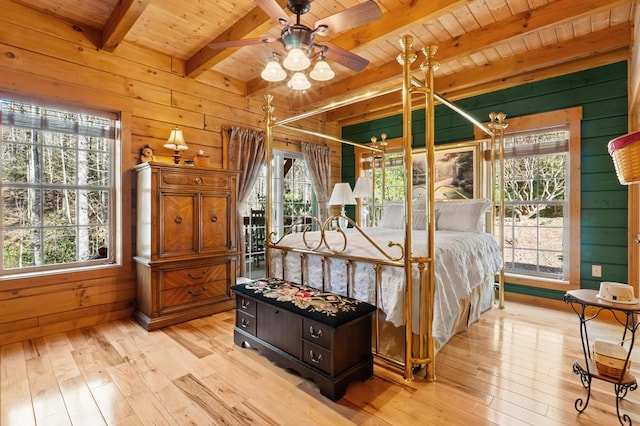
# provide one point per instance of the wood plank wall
(57, 62)
(602, 92)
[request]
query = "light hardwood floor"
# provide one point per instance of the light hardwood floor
(513, 367)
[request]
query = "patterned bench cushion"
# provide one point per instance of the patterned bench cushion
(327, 308)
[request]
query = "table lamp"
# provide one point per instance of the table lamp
(176, 143)
(363, 190)
(342, 196)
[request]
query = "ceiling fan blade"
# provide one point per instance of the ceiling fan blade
(273, 10)
(353, 17)
(346, 58)
(242, 42)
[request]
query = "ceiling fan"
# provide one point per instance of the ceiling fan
(296, 36)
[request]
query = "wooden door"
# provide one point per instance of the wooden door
(177, 224)
(215, 223)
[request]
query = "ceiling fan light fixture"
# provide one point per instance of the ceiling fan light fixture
(296, 60)
(273, 71)
(322, 71)
(299, 82)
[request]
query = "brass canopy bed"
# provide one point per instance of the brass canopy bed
(423, 295)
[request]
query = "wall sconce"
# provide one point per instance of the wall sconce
(341, 196)
(363, 190)
(176, 143)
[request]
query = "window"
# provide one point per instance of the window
(57, 187)
(536, 198)
(293, 198)
(542, 199)
(392, 189)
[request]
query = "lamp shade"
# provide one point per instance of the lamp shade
(273, 71)
(296, 60)
(299, 82)
(363, 188)
(322, 71)
(341, 195)
(176, 141)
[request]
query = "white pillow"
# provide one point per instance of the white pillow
(466, 216)
(392, 214)
(419, 214)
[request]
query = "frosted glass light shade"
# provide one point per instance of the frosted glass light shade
(273, 72)
(296, 60)
(322, 71)
(299, 82)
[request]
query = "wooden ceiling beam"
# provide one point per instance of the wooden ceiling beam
(121, 20)
(406, 15)
(588, 45)
(598, 48)
(553, 13)
(254, 24)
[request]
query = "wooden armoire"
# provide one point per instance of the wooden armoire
(186, 248)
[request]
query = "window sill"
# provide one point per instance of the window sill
(84, 272)
(540, 282)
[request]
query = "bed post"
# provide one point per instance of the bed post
(406, 58)
(428, 67)
(268, 119)
(497, 126)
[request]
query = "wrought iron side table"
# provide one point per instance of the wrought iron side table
(580, 300)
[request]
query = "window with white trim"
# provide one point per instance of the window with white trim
(57, 187)
(542, 199)
(536, 199)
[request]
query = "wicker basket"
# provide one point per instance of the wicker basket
(610, 359)
(625, 151)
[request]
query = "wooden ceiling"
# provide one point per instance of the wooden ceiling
(483, 45)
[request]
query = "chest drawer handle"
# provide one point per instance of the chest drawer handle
(244, 304)
(198, 180)
(244, 323)
(317, 359)
(197, 277)
(214, 218)
(198, 292)
(316, 334)
(178, 219)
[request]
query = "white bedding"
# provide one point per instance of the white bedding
(463, 260)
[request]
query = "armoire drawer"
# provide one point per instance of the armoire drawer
(193, 276)
(192, 179)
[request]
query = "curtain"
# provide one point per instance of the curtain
(247, 153)
(318, 160)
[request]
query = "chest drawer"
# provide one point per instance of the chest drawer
(317, 357)
(317, 333)
(246, 322)
(244, 304)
